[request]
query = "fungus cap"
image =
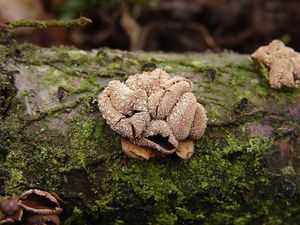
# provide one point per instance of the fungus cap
(39, 202)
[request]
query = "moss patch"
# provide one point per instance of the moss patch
(173, 192)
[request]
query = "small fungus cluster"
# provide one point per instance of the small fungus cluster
(154, 113)
(283, 64)
(33, 207)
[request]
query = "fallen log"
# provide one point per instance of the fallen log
(245, 169)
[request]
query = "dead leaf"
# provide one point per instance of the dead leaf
(185, 149)
(135, 151)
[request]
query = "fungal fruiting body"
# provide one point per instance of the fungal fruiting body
(154, 113)
(10, 211)
(43, 220)
(39, 207)
(282, 62)
(42, 207)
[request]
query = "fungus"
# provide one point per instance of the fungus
(154, 113)
(40, 202)
(283, 64)
(43, 220)
(10, 212)
(39, 208)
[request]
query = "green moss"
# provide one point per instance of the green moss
(242, 220)
(75, 54)
(113, 66)
(7, 93)
(185, 214)
(288, 170)
(16, 179)
(255, 145)
(76, 217)
(55, 78)
(197, 64)
(172, 66)
(118, 222)
(166, 219)
(168, 188)
(134, 62)
(262, 70)
(214, 113)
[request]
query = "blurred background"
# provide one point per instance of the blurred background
(166, 25)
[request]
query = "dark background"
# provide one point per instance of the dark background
(166, 25)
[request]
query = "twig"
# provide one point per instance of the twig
(208, 38)
(82, 21)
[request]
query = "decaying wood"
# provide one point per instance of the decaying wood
(245, 169)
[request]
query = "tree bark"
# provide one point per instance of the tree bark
(245, 169)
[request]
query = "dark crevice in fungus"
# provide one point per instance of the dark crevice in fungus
(131, 113)
(133, 130)
(161, 141)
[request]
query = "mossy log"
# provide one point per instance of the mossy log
(245, 170)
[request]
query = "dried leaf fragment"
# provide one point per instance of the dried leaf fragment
(185, 149)
(135, 151)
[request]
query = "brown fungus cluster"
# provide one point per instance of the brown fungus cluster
(154, 113)
(283, 64)
(33, 207)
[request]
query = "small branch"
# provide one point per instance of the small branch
(82, 21)
(208, 38)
